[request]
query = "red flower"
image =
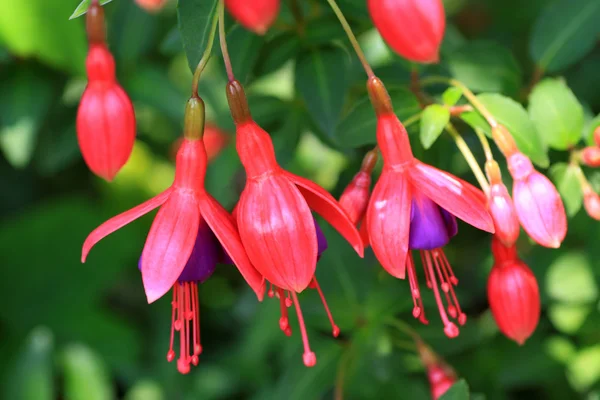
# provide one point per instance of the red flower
(513, 294)
(355, 198)
(255, 15)
(105, 119)
(591, 202)
(590, 156)
(501, 207)
(597, 136)
(215, 140)
(440, 375)
(151, 5)
(412, 28)
(183, 206)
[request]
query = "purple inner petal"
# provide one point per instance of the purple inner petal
(431, 226)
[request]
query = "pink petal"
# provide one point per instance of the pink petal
(388, 221)
(364, 232)
(169, 243)
(224, 229)
(121, 220)
(326, 206)
(454, 195)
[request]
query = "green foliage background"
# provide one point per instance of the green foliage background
(77, 331)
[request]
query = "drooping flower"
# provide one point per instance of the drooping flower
(501, 207)
(590, 156)
(591, 202)
(105, 118)
(255, 15)
(597, 136)
(513, 294)
(185, 314)
(182, 208)
(151, 5)
(440, 375)
(412, 28)
(215, 140)
(355, 197)
(413, 206)
(274, 212)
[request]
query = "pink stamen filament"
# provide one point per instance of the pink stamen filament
(419, 309)
(185, 318)
(334, 327)
(309, 358)
(284, 321)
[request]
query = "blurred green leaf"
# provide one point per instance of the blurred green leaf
(557, 113)
(277, 52)
(32, 377)
(86, 376)
(568, 318)
(195, 20)
(584, 370)
(565, 177)
(458, 391)
(321, 80)
(321, 31)
(570, 279)
(485, 67)
(512, 115)
(564, 33)
(588, 133)
(433, 120)
(145, 390)
(451, 96)
(244, 49)
(359, 126)
(83, 7)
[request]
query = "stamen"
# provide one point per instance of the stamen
(335, 328)
(284, 321)
(462, 317)
(271, 292)
(183, 365)
(171, 353)
(427, 278)
(288, 301)
(450, 329)
(418, 309)
(196, 323)
(309, 358)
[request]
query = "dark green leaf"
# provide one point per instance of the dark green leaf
(565, 177)
(277, 52)
(486, 67)
(564, 33)
(322, 31)
(434, 119)
(131, 32)
(557, 113)
(195, 20)
(244, 48)
(83, 7)
(458, 391)
(321, 80)
(359, 126)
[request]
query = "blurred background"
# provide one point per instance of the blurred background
(84, 331)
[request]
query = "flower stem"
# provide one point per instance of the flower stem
(403, 327)
(351, 37)
(485, 144)
(223, 42)
(412, 119)
(206, 54)
(469, 157)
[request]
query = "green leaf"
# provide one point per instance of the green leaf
(32, 377)
(512, 115)
(584, 369)
(565, 177)
(145, 390)
(458, 391)
(86, 376)
(39, 28)
(564, 33)
(588, 134)
(556, 113)
(321, 80)
(568, 318)
(570, 279)
(320, 31)
(359, 127)
(277, 52)
(83, 7)
(434, 119)
(451, 96)
(195, 20)
(486, 67)
(244, 49)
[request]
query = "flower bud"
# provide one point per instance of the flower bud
(590, 156)
(597, 136)
(412, 28)
(151, 5)
(537, 202)
(105, 118)
(355, 198)
(501, 207)
(255, 15)
(514, 297)
(440, 375)
(591, 203)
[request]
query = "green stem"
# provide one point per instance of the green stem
(469, 157)
(206, 54)
(411, 120)
(223, 42)
(485, 144)
(352, 38)
(403, 327)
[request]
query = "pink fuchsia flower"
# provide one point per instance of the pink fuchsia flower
(183, 208)
(591, 202)
(502, 209)
(590, 156)
(151, 5)
(413, 206)
(513, 294)
(255, 15)
(105, 118)
(440, 375)
(355, 197)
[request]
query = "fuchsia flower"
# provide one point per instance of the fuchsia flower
(105, 118)
(413, 207)
(440, 375)
(590, 156)
(184, 207)
(513, 294)
(274, 212)
(255, 15)
(591, 202)
(501, 207)
(355, 197)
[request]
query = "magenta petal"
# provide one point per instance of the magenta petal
(169, 243)
(456, 196)
(121, 220)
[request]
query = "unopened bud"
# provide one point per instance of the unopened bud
(379, 95)
(591, 203)
(590, 156)
(238, 104)
(504, 140)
